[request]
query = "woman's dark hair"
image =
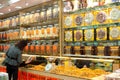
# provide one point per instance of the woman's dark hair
(21, 44)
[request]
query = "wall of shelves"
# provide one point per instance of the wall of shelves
(59, 44)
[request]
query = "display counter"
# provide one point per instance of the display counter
(27, 74)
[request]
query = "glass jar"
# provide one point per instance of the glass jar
(43, 15)
(49, 13)
(37, 16)
(55, 11)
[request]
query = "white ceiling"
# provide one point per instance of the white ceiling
(22, 3)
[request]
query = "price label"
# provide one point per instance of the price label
(48, 67)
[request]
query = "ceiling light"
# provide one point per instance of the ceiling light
(9, 9)
(1, 13)
(26, 4)
(18, 7)
(13, 1)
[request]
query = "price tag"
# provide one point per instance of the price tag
(48, 67)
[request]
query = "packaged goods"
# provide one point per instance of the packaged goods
(114, 14)
(101, 33)
(114, 33)
(78, 19)
(78, 35)
(68, 21)
(43, 15)
(89, 35)
(68, 36)
(114, 50)
(89, 18)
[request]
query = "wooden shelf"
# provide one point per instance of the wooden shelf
(92, 56)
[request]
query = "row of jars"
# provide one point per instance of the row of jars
(42, 49)
(32, 17)
(10, 22)
(4, 47)
(49, 31)
(93, 50)
(40, 15)
(9, 35)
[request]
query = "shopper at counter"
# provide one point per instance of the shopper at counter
(14, 59)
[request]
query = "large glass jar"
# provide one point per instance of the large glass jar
(55, 11)
(43, 15)
(49, 13)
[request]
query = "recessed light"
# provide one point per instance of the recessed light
(18, 7)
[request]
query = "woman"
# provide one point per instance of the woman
(14, 59)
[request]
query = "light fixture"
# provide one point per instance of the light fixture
(26, 4)
(9, 10)
(18, 7)
(13, 1)
(1, 13)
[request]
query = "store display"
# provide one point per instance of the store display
(101, 33)
(68, 36)
(78, 35)
(114, 33)
(89, 35)
(89, 32)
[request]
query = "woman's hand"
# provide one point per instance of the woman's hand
(29, 60)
